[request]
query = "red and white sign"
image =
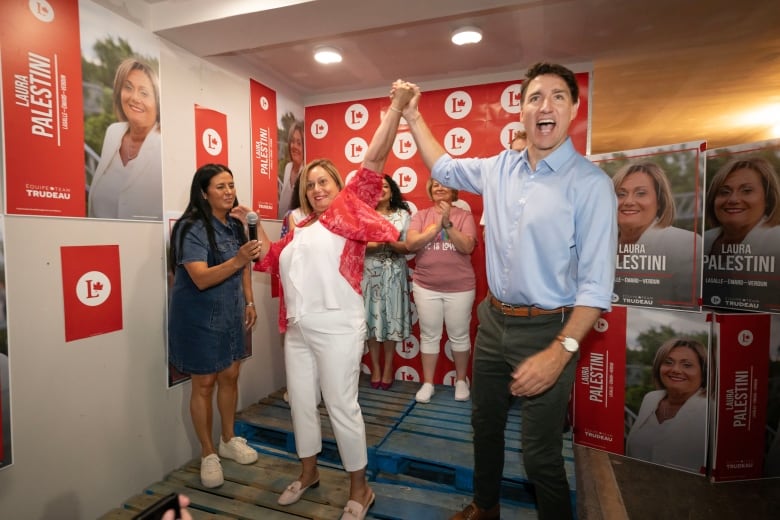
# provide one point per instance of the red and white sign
(599, 386)
(211, 144)
(92, 290)
(265, 196)
(42, 108)
(742, 394)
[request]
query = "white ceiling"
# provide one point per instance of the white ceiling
(665, 71)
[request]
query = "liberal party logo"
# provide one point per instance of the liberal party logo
(211, 141)
(93, 288)
(42, 10)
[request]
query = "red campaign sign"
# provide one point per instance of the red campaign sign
(92, 290)
(599, 385)
(211, 143)
(42, 108)
(742, 395)
(265, 189)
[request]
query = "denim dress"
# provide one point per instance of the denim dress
(206, 328)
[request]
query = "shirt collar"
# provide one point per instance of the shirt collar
(556, 159)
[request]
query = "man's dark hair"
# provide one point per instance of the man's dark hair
(552, 68)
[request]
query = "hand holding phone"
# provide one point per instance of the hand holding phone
(156, 510)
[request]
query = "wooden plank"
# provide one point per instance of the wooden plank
(213, 503)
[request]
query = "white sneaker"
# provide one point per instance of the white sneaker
(211, 471)
(425, 393)
(236, 449)
(462, 391)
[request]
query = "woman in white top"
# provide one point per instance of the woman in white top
(742, 242)
(671, 427)
(320, 264)
(128, 179)
(645, 215)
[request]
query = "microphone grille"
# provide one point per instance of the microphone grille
(251, 218)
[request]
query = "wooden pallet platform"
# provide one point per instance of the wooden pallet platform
(250, 492)
(433, 443)
(268, 423)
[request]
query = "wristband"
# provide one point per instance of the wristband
(250, 304)
(395, 109)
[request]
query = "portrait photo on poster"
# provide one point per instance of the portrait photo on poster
(659, 220)
(122, 142)
(666, 395)
(291, 162)
(742, 228)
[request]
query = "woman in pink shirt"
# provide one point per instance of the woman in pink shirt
(443, 238)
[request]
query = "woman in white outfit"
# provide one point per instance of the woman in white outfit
(671, 427)
(320, 264)
(645, 216)
(128, 179)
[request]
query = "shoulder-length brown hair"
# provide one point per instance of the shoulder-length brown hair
(122, 72)
(663, 352)
(663, 189)
(326, 165)
(768, 179)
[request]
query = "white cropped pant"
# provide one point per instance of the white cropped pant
(320, 360)
(435, 308)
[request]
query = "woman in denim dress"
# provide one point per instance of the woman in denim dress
(211, 307)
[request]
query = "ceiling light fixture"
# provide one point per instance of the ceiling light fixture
(466, 35)
(327, 55)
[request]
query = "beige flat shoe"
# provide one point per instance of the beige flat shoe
(294, 492)
(357, 511)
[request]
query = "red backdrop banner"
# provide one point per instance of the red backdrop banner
(42, 108)
(265, 194)
(473, 121)
(211, 143)
(92, 290)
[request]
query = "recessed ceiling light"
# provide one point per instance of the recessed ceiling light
(466, 35)
(327, 55)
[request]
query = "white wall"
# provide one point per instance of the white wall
(93, 421)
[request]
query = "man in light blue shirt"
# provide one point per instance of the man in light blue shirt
(551, 244)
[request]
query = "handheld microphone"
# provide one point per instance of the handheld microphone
(251, 224)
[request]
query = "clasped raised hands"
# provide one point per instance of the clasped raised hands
(405, 97)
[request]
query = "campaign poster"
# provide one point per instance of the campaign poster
(667, 388)
(42, 107)
(469, 121)
(742, 228)
(91, 290)
(264, 163)
(291, 152)
(122, 145)
(211, 143)
(598, 399)
(6, 453)
(659, 215)
(745, 437)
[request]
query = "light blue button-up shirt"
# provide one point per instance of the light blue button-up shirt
(550, 233)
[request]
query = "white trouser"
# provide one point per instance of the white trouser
(451, 308)
(321, 361)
